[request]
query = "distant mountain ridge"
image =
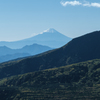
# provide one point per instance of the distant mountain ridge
(51, 38)
(86, 47)
(34, 49)
(10, 57)
(5, 50)
(60, 81)
(50, 35)
(7, 54)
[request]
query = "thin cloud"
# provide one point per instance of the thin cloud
(95, 4)
(77, 3)
(73, 3)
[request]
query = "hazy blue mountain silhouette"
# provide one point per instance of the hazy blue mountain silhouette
(80, 81)
(9, 57)
(83, 48)
(4, 50)
(51, 38)
(28, 50)
(34, 49)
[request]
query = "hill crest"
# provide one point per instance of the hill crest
(78, 50)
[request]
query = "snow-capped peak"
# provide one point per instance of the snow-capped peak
(51, 30)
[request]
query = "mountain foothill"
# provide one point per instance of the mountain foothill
(69, 72)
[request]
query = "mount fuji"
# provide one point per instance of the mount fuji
(50, 37)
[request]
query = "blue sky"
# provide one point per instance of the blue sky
(21, 19)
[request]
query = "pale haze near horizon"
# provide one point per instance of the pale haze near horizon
(20, 19)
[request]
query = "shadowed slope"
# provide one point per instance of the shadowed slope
(72, 82)
(80, 49)
(81, 74)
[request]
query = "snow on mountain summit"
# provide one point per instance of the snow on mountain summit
(51, 30)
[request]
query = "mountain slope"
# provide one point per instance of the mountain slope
(14, 56)
(81, 74)
(50, 35)
(5, 50)
(72, 82)
(80, 49)
(34, 49)
(51, 38)
(7, 54)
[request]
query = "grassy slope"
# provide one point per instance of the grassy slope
(79, 81)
